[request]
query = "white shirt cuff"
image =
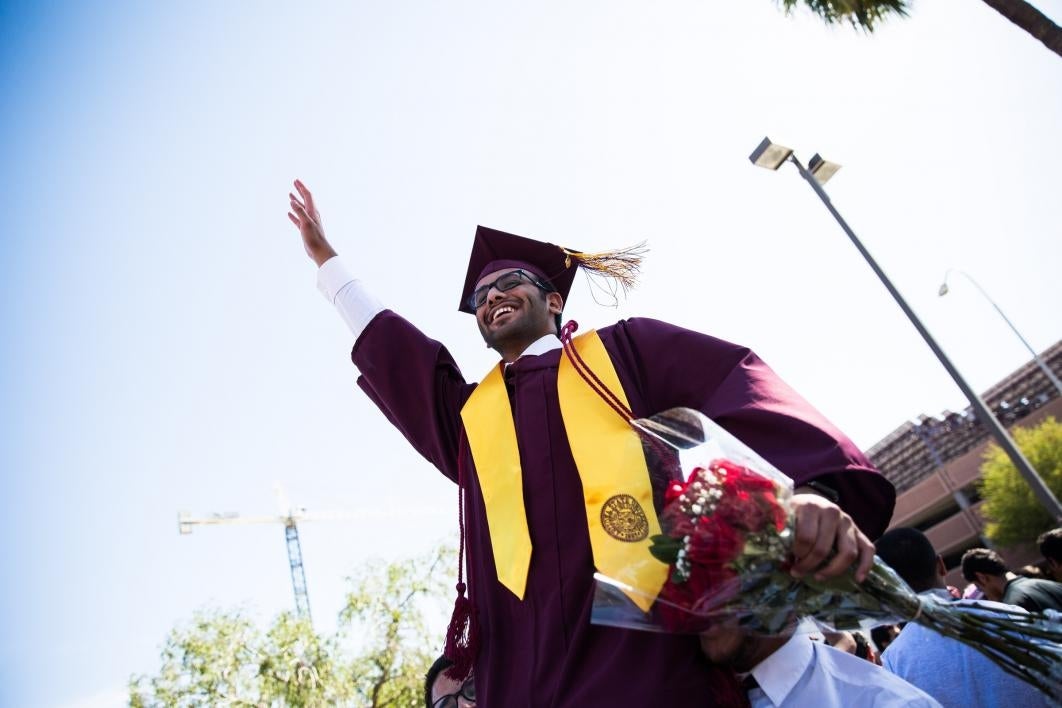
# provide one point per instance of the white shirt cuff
(355, 304)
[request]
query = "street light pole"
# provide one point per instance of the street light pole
(779, 154)
(1036, 357)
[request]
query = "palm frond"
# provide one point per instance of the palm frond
(861, 14)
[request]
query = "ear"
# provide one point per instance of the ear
(942, 569)
(555, 303)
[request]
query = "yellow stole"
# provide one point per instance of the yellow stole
(608, 455)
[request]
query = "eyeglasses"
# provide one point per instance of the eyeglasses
(467, 691)
(503, 283)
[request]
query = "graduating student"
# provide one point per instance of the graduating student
(555, 481)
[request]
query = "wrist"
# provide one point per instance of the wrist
(321, 254)
(820, 489)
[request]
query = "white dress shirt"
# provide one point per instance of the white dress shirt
(808, 673)
(357, 306)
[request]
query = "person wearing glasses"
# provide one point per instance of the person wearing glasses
(554, 480)
(441, 691)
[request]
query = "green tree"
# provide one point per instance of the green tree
(377, 657)
(1013, 512)
(866, 14)
(387, 610)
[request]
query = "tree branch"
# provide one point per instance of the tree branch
(1031, 20)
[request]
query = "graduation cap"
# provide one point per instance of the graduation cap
(494, 250)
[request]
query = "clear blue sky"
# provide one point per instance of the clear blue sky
(165, 348)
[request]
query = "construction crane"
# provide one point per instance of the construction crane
(289, 516)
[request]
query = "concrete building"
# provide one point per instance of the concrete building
(935, 464)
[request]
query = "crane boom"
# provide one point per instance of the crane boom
(186, 522)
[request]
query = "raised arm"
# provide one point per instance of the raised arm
(305, 216)
(411, 378)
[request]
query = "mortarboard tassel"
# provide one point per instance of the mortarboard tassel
(608, 269)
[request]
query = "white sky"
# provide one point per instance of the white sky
(165, 347)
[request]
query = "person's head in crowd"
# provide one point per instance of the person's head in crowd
(728, 644)
(441, 691)
(1032, 571)
(883, 635)
(853, 643)
(985, 569)
(1050, 543)
(912, 556)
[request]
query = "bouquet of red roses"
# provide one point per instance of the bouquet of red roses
(726, 532)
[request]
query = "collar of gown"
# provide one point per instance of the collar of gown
(780, 672)
(545, 343)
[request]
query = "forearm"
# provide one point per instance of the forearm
(416, 384)
(354, 303)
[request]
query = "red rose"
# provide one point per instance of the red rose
(683, 606)
(714, 542)
(675, 522)
(673, 492)
(726, 467)
(745, 511)
(737, 478)
(754, 482)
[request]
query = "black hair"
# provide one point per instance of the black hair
(862, 646)
(982, 560)
(1050, 543)
(440, 665)
(883, 635)
(911, 555)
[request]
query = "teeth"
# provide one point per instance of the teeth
(501, 311)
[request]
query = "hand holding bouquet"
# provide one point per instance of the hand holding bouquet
(727, 534)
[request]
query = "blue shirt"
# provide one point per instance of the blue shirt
(954, 673)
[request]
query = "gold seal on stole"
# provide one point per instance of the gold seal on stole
(623, 518)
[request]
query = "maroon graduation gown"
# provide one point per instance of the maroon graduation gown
(543, 651)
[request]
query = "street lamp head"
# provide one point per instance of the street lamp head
(943, 289)
(821, 169)
(769, 155)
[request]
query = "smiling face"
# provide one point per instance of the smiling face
(511, 320)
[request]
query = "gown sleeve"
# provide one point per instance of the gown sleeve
(735, 388)
(416, 384)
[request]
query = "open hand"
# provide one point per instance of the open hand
(305, 216)
(821, 528)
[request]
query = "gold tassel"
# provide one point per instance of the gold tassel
(607, 269)
(621, 265)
